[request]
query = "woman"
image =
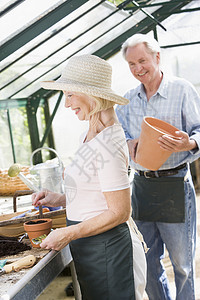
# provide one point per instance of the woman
(108, 255)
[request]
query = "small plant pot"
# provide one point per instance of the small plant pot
(149, 154)
(36, 228)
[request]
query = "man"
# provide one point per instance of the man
(173, 221)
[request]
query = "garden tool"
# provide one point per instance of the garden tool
(25, 262)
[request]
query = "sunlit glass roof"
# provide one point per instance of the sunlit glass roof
(38, 37)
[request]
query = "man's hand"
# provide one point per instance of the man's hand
(179, 144)
(132, 146)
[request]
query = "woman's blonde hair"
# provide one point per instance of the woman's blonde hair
(101, 104)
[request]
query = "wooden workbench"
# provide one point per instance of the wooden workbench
(30, 283)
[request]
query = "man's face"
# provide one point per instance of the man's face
(143, 64)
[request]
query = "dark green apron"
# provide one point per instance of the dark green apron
(158, 199)
(104, 264)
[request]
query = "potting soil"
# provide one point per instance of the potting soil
(11, 246)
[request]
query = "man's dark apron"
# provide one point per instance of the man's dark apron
(158, 199)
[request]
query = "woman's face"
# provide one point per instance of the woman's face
(81, 104)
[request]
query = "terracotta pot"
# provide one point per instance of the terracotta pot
(36, 228)
(149, 154)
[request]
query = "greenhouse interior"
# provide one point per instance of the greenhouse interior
(37, 40)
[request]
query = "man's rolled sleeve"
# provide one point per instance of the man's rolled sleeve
(196, 138)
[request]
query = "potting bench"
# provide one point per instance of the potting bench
(31, 285)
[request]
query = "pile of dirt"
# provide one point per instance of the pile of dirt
(11, 246)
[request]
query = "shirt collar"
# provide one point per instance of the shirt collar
(141, 91)
(162, 90)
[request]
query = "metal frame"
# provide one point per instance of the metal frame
(133, 7)
(143, 27)
(49, 120)
(67, 44)
(42, 42)
(11, 136)
(31, 109)
(41, 96)
(39, 26)
(9, 7)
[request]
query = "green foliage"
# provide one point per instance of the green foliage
(20, 133)
(116, 2)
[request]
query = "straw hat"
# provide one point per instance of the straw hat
(87, 74)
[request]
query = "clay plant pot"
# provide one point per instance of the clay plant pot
(149, 154)
(36, 228)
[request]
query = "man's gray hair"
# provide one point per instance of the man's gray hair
(138, 38)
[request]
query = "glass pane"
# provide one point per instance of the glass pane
(54, 44)
(82, 33)
(67, 141)
(13, 21)
(21, 136)
(6, 159)
(49, 32)
(37, 57)
(21, 139)
(69, 41)
(4, 4)
(181, 28)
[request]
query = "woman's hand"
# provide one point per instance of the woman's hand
(48, 198)
(119, 210)
(181, 143)
(57, 239)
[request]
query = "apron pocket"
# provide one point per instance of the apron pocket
(158, 199)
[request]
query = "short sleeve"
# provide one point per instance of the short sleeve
(112, 163)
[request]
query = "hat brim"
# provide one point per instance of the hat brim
(107, 94)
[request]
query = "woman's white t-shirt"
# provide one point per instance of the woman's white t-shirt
(100, 165)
